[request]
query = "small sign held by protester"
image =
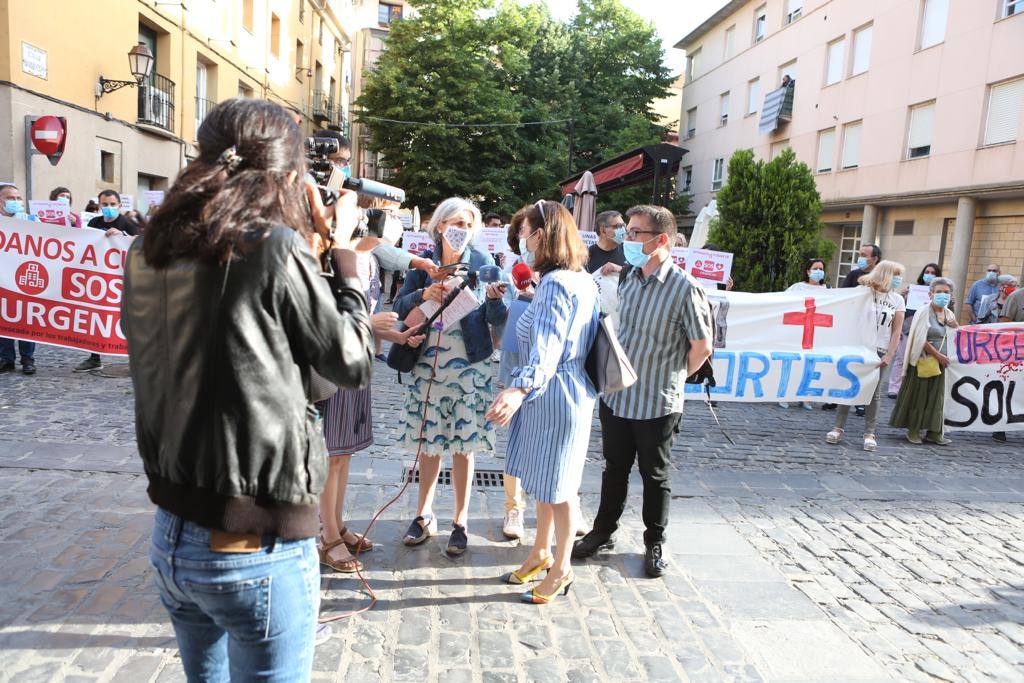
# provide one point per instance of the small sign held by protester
(416, 242)
(54, 213)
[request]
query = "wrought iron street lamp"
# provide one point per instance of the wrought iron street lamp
(140, 62)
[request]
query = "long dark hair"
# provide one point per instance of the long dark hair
(810, 264)
(934, 266)
(224, 203)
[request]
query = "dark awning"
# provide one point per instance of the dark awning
(777, 109)
(630, 168)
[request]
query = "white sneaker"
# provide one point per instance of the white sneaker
(513, 526)
(496, 356)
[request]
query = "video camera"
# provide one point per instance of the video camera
(329, 180)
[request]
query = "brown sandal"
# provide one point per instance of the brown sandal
(367, 544)
(349, 566)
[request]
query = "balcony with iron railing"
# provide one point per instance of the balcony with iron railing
(156, 102)
(322, 106)
(203, 107)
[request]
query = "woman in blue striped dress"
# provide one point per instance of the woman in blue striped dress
(550, 401)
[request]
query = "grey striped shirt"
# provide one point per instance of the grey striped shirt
(657, 317)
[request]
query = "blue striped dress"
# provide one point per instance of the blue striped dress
(547, 444)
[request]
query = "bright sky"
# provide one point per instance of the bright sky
(673, 19)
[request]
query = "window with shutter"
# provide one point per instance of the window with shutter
(793, 10)
(687, 178)
(778, 147)
(723, 112)
(753, 95)
(716, 175)
(1004, 105)
(933, 22)
(851, 145)
(834, 71)
(691, 123)
(861, 50)
(1012, 7)
(826, 150)
(760, 23)
(730, 41)
(919, 137)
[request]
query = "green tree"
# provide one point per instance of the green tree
(769, 218)
(499, 61)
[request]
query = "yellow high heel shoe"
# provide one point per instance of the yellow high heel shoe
(517, 579)
(533, 597)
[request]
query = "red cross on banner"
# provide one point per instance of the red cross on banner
(809, 320)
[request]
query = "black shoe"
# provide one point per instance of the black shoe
(7, 367)
(999, 436)
(654, 562)
(590, 544)
(458, 541)
(828, 406)
(860, 411)
(93, 362)
(381, 357)
(28, 368)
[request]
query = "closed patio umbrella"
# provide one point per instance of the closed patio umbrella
(585, 210)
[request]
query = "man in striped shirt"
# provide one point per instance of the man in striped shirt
(666, 331)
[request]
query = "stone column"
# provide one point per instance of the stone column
(960, 257)
(869, 225)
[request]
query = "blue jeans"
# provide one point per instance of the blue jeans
(25, 348)
(237, 616)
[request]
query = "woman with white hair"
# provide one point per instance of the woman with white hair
(458, 359)
(885, 281)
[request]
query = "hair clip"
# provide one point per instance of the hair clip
(230, 159)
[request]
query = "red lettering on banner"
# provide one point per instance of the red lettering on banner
(61, 324)
(88, 256)
(809, 320)
(91, 287)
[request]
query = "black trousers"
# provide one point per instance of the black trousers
(649, 443)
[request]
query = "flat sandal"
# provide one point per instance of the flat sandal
(349, 566)
(365, 543)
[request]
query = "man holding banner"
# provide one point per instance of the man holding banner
(13, 206)
(667, 332)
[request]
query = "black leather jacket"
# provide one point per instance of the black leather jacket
(220, 361)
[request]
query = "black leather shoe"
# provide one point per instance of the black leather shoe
(860, 411)
(29, 368)
(7, 367)
(590, 544)
(654, 562)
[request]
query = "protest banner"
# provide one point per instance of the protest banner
(789, 346)
(54, 213)
(416, 242)
(985, 378)
(152, 198)
(917, 297)
(711, 268)
(62, 287)
(492, 240)
(589, 238)
(127, 202)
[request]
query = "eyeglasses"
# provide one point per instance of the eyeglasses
(615, 226)
(633, 233)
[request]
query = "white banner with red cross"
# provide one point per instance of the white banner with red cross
(61, 286)
(794, 346)
(985, 378)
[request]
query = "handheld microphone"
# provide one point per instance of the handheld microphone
(489, 274)
(522, 276)
(372, 188)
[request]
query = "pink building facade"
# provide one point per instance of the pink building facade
(909, 112)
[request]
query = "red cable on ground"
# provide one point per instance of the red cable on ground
(408, 480)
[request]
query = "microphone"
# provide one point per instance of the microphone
(522, 276)
(372, 188)
(489, 274)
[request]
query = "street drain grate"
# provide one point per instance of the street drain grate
(481, 478)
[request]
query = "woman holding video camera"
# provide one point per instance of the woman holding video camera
(454, 367)
(227, 314)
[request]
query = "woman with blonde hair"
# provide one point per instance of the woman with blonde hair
(455, 366)
(550, 401)
(884, 281)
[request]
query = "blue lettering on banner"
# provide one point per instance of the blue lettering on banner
(811, 375)
(723, 384)
(745, 374)
(843, 370)
(787, 358)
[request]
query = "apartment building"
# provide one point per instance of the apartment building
(909, 112)
(135, 136)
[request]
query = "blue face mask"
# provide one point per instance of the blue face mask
(110, 212)
(64, 200)
(528, 256)
(817, 274)
(620, 235)
(928, 277)
(13, 206)
(941, 299)
(862, 262)
(991, 276)
(635, 255)
(897, 281)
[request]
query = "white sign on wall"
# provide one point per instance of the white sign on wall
(33, 60)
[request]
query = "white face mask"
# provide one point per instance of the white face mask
(456, 238)
(392, 230)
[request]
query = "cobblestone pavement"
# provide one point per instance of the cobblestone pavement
(791, 559)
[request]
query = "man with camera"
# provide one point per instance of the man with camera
(227, 315)
(666, 331)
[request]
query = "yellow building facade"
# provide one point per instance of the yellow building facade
(137, 138)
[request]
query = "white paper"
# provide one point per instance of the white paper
(680, 256)
(416, 242)
(464, 304)
(152, 198)
(493, 240)
(127, 202)
(917, 297)
(54, 213)
(710, 267)
(589, 238)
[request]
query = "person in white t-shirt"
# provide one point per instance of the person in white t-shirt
(885, 281)
(814, 278)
